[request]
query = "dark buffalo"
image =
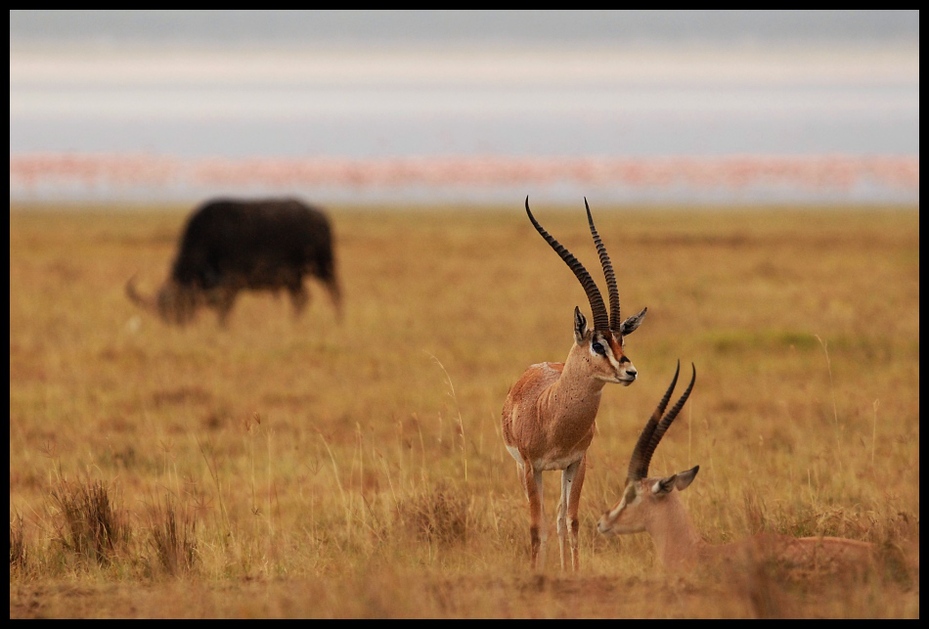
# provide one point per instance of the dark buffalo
(229, 246)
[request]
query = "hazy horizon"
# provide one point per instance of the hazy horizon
(375, 90)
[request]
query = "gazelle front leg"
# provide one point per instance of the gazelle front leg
(572, 480)
(538, 532)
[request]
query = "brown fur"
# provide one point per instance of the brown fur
(548, 423)
(549, 413)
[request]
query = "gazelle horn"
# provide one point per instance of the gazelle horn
(601, 318)
(657, 425)
(615, 319)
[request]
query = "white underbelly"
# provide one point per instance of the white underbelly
(544, 464)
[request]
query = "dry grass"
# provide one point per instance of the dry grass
(299, 468)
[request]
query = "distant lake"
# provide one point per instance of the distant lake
(597, 110)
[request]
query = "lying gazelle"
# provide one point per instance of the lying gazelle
(549, 413)
(652, 505)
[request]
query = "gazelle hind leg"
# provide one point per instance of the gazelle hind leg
(561, 517)
(572, 480)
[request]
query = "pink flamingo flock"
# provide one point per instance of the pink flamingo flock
(732, 173)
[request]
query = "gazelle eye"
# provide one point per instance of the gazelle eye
(598, 347)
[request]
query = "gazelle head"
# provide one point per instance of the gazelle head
(602, 347)
(647, 502)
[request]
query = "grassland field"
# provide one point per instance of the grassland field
(290, 467)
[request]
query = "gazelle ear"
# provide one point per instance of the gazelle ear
(678, 481)
(629, 325)
(684, 479)
(580, 325)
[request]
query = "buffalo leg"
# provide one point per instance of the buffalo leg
(224, 300)
(299, 297)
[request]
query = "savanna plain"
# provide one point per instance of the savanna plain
(288, 467)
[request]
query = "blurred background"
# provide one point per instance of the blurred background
(427, 107)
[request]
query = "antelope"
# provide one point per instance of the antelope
(652, 505)
(549, 412)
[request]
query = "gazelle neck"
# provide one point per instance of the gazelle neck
(575, 395)
(677, 542)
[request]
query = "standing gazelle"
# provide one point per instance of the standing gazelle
(549, 413)
(652, 505)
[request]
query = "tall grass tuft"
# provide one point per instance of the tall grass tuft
(173, 538)
(440, 516)
(17, 544)
(91, 527)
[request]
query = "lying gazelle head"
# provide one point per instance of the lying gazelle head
(601, 347)
(645, 499)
